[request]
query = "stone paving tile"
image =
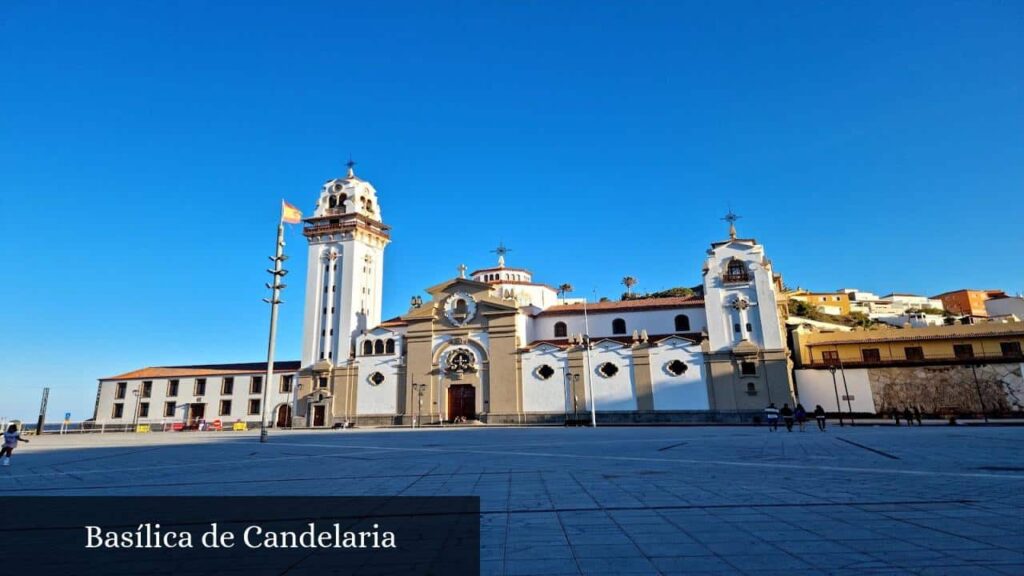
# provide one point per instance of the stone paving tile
(581, 501)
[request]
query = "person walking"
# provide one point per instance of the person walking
(787, 416)
(771, 415)
(819, 415)
(896, 415)
(908, 416)
(917, 414)
(11, 438)
(801, 416)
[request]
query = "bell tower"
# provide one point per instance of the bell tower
(345, 270)
(745, 352)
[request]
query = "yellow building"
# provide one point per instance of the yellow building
(834, 303)
(958, 368)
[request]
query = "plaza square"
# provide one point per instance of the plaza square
(628, 500)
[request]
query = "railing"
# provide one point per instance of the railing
(735, 278)
(924, 361)
(90, 427)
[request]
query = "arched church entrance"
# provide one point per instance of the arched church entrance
(461, 402)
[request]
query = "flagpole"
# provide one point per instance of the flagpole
(274, 300)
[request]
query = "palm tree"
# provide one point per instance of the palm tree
(629, 282)
(563, 289)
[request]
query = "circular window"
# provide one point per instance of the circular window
(608, 369)
(676, 367)
(545, 372)
(376, 379)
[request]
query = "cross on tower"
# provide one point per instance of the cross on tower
(731, 217)
(501, 250)
(351, 164)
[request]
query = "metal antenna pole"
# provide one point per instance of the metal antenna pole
(274, 300)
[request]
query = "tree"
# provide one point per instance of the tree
(629, 282)
(563, 289)
(861, 319)
(672, 293)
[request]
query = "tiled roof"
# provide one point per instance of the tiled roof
(500, 269)
(625, 305)
(206, 370)
(694, 337)
(396, 321)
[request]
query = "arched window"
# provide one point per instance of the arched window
(561, 330)
(332, 202)
(618, 326)
(369, 205)
(736, 271)
(389, 346)
(461, 311)
(367, 347)
(378, 347)
(682, 323)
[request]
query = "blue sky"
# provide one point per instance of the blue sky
(144, 149)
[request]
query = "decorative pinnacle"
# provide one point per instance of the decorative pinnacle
(731, 218)
(501, 251)
(351, 164)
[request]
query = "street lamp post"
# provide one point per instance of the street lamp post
(138, 400)
(977, 386)
(835, 387)
(570, 388)
(842, 372)
(418, 390)
(590, 367)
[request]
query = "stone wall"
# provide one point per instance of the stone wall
(949, 388)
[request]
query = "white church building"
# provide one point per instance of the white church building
(497, 346)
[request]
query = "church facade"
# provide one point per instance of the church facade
(498, 347)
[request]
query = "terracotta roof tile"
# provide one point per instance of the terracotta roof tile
(694, 337)
(634, 305)
(206, 370)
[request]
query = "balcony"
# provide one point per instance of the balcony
(735, 278)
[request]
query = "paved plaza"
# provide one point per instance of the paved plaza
(671, 500)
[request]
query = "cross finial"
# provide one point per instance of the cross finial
(731, 217)
(501, 250)
(462, 270)
(351, 164)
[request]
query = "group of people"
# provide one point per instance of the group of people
(907, 414)
(791, 416)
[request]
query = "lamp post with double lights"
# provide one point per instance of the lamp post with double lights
(832, 369)
(418, 391)
(977, 387)
(138, 400)
(570, 388)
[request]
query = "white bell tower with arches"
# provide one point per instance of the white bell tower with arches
(345, 270)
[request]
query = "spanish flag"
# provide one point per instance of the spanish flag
(290, 214)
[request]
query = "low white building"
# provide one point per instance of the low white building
(897, 309)
(185, 395)
(1006, 307)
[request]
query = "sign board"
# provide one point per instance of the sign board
(67, 416)
(142, 428)
(239, 426)
(849, 398)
